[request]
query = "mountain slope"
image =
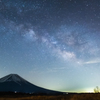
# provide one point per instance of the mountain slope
(14, 82)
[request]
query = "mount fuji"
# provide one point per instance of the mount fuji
(15, 83)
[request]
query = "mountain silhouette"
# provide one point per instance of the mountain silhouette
(15, 83)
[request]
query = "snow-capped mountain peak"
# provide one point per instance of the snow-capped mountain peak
(12, 77)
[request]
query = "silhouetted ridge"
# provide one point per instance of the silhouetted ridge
(14, 82)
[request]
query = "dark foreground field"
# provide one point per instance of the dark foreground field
(85, 96)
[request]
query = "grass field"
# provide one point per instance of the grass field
(85, 96)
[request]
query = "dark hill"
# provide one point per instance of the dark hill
(15, 83)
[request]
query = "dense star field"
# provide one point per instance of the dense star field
(54, 44)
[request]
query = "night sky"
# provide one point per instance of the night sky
(54, 44)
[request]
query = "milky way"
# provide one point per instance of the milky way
(52, 43)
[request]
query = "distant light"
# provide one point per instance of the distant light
(15, 91)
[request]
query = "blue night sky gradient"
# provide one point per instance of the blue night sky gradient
(54, 44)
